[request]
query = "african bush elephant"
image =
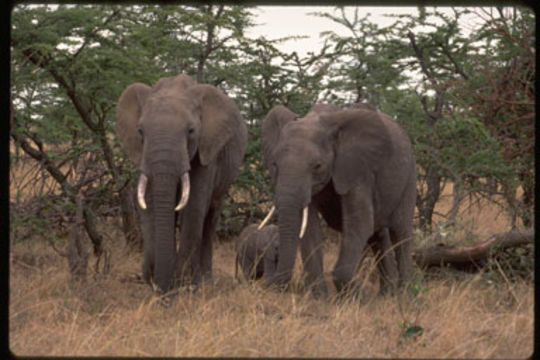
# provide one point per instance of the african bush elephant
(188, 140)
(355, 167)
(256, 251)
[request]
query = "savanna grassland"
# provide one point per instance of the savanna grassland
(448, 315)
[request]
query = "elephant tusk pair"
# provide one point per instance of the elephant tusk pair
(141, 190)
(302, 227)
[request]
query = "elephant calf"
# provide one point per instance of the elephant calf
(256, 251)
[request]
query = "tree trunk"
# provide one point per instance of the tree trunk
(77, 253)
(426, 205)
(465, 256)
(130, 225)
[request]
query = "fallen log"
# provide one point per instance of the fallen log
(472, 256)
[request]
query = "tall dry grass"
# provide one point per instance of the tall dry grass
(463, 316)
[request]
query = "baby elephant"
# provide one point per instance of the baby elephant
(257, 251)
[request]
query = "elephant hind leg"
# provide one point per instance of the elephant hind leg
(402, 233)
(386, 261)
(402, 241)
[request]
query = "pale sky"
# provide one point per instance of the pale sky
(276, 22)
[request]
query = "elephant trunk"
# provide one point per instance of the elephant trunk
(164, 198)
(289, 225)
(293, 196)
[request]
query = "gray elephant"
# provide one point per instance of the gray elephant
(256, 251)
(353, 166)
(188, 141)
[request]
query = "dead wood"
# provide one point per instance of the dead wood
(475, 254)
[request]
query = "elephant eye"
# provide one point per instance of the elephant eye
(139, 130)
(317, 166)
(191, 131)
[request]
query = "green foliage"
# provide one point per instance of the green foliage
(511, 264)
(362, 66)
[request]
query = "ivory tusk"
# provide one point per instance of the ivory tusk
(141, 190)
(267, 218)
(185, 192)
(304, 222)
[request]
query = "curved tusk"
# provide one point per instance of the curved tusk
(267, 218)
(304, 222)
(185, 192)
(141, 189)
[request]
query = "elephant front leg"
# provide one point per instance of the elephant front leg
(209, 231)
(312, 256)
(357, 212)
(195, 252)
(188, 265)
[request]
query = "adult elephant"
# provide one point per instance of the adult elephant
(188, 140)
(355, 167)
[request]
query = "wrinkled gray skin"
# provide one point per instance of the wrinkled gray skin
(175, 127)
(257, 251)
(353, 166)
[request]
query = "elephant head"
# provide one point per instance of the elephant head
(166, 130)
(327, 147)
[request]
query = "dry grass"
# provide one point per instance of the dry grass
(466, 317)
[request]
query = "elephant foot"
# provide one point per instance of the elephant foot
(387, 288)
(279, 282)
(318, 290)
(277, 285)
(168, 299)
(207, 279)
(351, 295)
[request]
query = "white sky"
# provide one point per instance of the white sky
(276, 22)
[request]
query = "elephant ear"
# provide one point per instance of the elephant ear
(128, 112)
(362, 146)
(220, 120)
(271, 129)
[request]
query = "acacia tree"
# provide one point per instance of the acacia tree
(501, 94)
(456, 145)
(414, 70)
(360, 66)
(64, 71)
